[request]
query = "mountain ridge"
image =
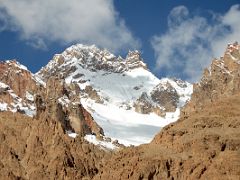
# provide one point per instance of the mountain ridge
(106, 84)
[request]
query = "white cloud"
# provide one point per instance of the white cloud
(67, 21)
(192, 41)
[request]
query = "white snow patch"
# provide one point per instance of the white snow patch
(38, 80)
(22, 67)
(117, 87)
(72, 134)
(3, 85)
(17, 64)
(29, 96)
(3, 106)
(92, 139)
(64, 101)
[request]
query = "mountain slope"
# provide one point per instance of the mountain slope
(25, 93)
(222, 79)
(203, 144)
(122, 95)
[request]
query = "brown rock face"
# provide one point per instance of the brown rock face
(40, 149)
(60, 103)
(19, 80)
(92, 93)
(163, 98)
(54, 100)
(221, 80)
(134, 60)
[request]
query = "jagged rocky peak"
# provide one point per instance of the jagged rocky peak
(222, 79)
(16, 76)
(17, 88)
(93, 59)
(134, 60)
(233, 50)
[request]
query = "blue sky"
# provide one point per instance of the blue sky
(176, 37)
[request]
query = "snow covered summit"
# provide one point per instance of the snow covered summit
(122, 95)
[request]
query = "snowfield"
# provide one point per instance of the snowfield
(127, 126)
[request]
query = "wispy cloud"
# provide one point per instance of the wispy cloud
(86, 21)
(192, 41)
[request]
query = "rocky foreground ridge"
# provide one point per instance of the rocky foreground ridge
(203, 144)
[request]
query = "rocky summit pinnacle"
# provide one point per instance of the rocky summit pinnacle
(221, 80)
(95, 59)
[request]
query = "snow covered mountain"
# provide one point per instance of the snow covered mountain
(122, 95)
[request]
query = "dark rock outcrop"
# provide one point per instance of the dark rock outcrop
(166, 96)
(144, 105)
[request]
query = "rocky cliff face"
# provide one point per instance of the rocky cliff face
(17, 88)
(60, 102)
(163, 98)
(18, 78)
(222, 79)
(40, 149)
(21, 91)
